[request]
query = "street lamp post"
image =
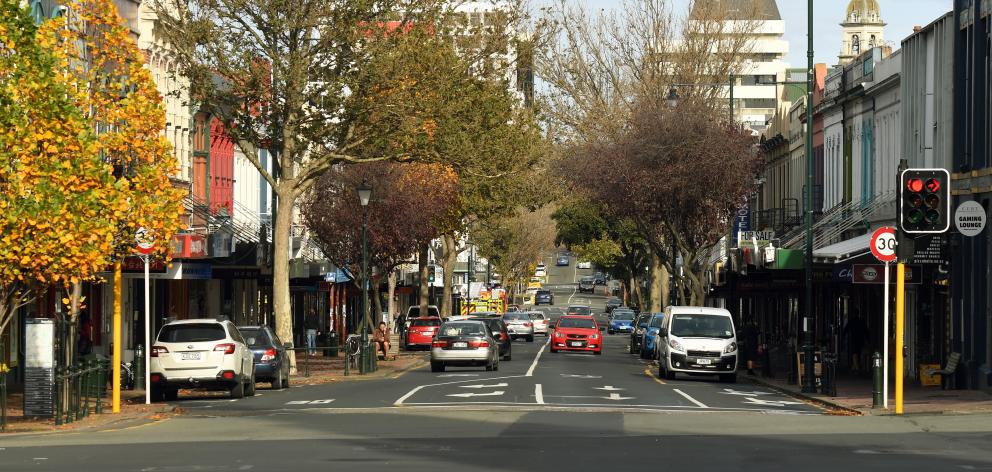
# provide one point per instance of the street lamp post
(364, 195)
(809, 386)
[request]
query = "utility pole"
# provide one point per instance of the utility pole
(809, 386)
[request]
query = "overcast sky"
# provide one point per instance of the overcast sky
(901, 16)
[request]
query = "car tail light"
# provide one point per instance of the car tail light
(528, 325)
(269, 354)
(478, 344)
(156, 378)
(156, 350)
(227, 375)
(228, 348)
(439, 344)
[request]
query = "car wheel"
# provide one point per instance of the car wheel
(238, 391)
(530, 338)
(729, 378)
(669, 373)
(496, 365)
(437, 367)
(250, 391)
(277, 381)
(598, 353)
(508, 357)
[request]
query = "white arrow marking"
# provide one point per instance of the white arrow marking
(310, 402)
(322, 402)
(730, 391)
(486, 386)
(473, 394)
(577, 376)
(610, 388)
(758, 401)
(616, 396)
(298, 402)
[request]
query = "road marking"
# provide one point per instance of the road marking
(609, 388)
(486, 386)
(473, 394)
(539, 394)
(458, 375)
(581, 376)
(758, 401)
(687, 397)
(454, 382)
(408, 395)
(647, 372)
(310, 402)
(616, 396)
(730, 391)
(530, 372)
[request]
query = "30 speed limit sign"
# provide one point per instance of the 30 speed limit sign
(883, 244)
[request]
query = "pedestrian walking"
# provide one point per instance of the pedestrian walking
(311, 324)
(857, 334)
(750, 337)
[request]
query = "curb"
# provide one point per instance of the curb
(825, 404)
(124, 421)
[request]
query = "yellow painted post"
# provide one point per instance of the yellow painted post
(900, 330)
(116, 364)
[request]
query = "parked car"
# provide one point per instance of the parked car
(698, 341)
(414, 312)
(500, 333)
(648, 346)
(204, 354)
(584, 265)
(540, 322)
(579, 310)
(562, 260)
(519, 325)
(587, 284)
(640, 325)
(464, 343)
(613, 303)
(621, 321)
(421, 332)
(541, 272)
(544, 297)
(577, 333)
(599, 278)
(269, 355)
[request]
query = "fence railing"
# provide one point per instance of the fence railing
(79, 388)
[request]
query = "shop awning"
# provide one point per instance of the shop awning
(844, 250)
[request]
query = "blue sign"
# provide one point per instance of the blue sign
(742, 222)
(337, 277)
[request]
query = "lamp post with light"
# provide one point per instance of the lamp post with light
(364, 196)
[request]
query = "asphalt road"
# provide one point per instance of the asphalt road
(540, 411)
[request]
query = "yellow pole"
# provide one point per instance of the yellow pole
(900, 330)
(116, 364)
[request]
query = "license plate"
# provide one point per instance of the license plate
(576, 344)
(190, 356)
(703, 361)
(459, 345)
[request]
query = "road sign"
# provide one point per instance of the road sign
(969, 218)
(145, 241)
(883, 244)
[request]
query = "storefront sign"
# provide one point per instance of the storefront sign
(930, 250)
(134, 265)
(188, 246)
(969, 218)
(767, 235)
(875, 274)
(742, 221)
(195, 271)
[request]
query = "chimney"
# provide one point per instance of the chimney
(917, 29)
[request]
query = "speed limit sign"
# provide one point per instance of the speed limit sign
(883, 244)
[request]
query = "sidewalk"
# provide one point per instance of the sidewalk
(134, 411)
(854, 396)
(331, 369)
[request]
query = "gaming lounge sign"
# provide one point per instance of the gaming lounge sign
(870, 274)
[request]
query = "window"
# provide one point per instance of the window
(255, 337)
(577, 323)
(702, 326)
(856, 44)
(193, 332)
(426, 322)
(871, 41)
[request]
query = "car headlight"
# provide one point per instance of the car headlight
(595, 336)
(675, 345)
(558, 334)
(732, 347)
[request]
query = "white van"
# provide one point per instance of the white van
(697, 341)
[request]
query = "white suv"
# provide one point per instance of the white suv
(202, 354)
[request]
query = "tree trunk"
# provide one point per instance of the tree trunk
(391, 293)
(422, 261)
(659, 284)
(280, 272)
(448, 261)
(637, 292)
(697, 287)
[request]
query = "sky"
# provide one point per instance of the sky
(901, 16)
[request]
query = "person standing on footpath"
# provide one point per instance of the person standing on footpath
(311, 324)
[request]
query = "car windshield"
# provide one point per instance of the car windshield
(536, 316)
(431, 311)
(656, 321)
(426, 322)
(579, 310)
(192, 333)
(576, 323)
(495, 324)
(463, 329)
(515, 317)
(255, 337)
(623, 316)
(642, 321)
(544, 292)
(702, 326)
(586, 280)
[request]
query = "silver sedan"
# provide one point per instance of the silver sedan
(464, 343)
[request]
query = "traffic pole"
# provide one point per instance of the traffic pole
(885, 342)
(148, 328)
(900, 327)
(116, 363)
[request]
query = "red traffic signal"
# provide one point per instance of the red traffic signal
(914, 185)
(924, 201)
(933, 185)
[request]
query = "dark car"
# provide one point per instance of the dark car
(640, 325)
(271, 362)
(500, 333)
(544, 297)
(562, 260)
(587, 284)
(599, 278)
(613, 303)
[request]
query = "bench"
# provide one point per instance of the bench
(952, 366)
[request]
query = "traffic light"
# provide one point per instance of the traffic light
(925, 201)
(430, 274)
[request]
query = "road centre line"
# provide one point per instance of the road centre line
(530, 372)
(539, 394)
(687, 397)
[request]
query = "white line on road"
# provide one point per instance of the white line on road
(539, 394)
(473, 394)
(530, 372)
(693, 400)
(486, 386)
(408, 395)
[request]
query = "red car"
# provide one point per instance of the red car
(577, 333)
(421, 332)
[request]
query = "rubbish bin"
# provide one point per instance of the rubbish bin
(331, 342)
(828, 379)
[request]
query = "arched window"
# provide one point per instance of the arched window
(855, 45)
(854, 17)
(38, 12)
(871, 42)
